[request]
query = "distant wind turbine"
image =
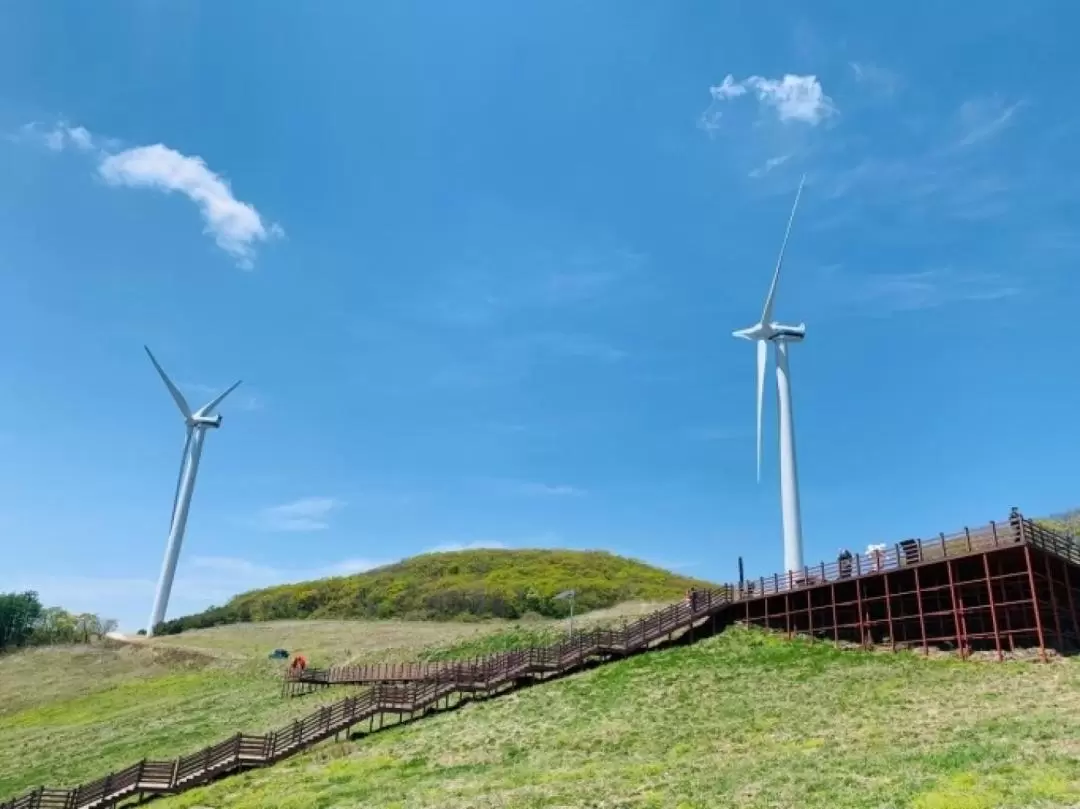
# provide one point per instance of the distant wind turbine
(197, 424)
(766, 331)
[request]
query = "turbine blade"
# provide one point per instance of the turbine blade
(180, 476)
(766, 314)
(206, 409)
(762, 358)
(178, 397)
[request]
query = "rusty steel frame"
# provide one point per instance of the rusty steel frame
(990, 590)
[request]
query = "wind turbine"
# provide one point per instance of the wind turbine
(197, 424)
(766, 331)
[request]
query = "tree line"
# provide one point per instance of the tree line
(24, 621)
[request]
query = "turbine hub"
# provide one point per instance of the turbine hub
(759, 331)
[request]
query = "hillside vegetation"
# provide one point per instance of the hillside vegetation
(455, 586)
(24, 621)
(745, 720)
(72, 713)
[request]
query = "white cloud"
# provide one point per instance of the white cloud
(60, 137)
(235, 225)
(729, 88)
(980, 119)
(305, 514)
(794, 98)
(80, 138)
(769, 165)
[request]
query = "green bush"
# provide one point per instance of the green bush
(451, 586)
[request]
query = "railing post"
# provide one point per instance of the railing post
(993, 531)
(1035, 603)
(993, 606)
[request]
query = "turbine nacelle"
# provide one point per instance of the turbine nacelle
(771, 331)
(205, 421)
(788, 333)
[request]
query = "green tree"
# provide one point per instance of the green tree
(19, 614)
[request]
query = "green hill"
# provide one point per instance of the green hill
(461, 584)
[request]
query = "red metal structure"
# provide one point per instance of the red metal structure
(1000, 588)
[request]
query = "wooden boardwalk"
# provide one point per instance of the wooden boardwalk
(400, 700)
(1017, 574)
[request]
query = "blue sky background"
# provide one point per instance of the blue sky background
(484, 288)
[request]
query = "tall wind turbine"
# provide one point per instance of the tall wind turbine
(197, 424)
(766, 331)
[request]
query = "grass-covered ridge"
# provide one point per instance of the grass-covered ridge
(743, 720)
(490, 583)
(72, 714)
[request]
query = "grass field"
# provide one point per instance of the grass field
(70, 714)
(743, 720)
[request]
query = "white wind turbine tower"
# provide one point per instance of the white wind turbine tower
(197, 424)
(763, 332)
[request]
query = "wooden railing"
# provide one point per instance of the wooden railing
(495, 668)
(412, 687)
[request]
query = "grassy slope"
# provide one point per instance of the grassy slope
(71, 714)
(485, 583)
(742, 720)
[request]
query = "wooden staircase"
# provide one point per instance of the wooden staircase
(397, 691)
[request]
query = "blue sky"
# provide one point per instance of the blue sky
(479, 264)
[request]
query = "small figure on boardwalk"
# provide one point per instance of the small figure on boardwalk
(843, 563)
(299, 663)
(1016, 523)
(691, 599)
